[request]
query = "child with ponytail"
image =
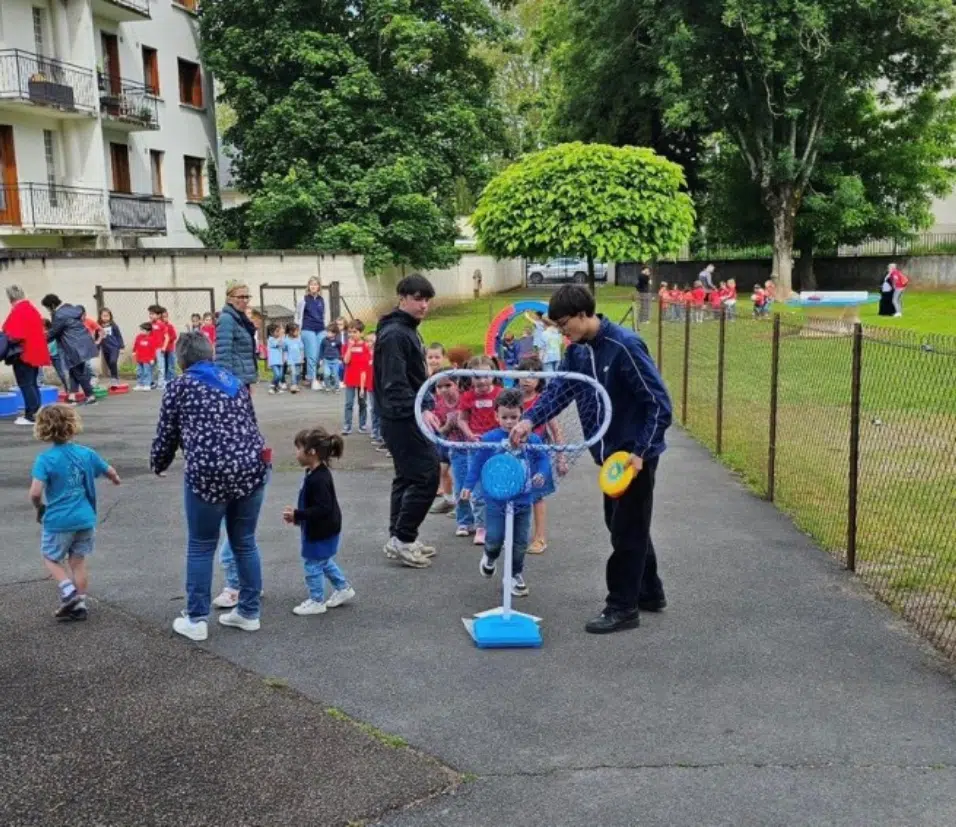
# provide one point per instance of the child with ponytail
(319, 519)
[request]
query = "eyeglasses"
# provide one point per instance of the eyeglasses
(562, 324)
(244, 297)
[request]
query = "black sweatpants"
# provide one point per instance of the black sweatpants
(416, 477)
(632, 566)
(80, 377)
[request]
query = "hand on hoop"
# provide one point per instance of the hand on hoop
(431, 420)
(520, 433)
(537, 481)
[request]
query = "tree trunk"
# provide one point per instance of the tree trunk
(804, 277)
(783, 215)
(591, 274)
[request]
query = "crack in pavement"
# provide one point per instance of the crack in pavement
(680, 765)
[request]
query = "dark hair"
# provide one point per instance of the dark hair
(51, 301)
(291, 328)
(533, 363)
(102, 311)
(570, 300)
(437, 346)
(194, 316)
(162, 310)
(154, 308)
(415, 285)
(357, 324)
(320, 442)
(273, 328)
(439, 377)
(333, 328)
(509, 398)
(146, 327)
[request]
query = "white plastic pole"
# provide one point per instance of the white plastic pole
(509, 558)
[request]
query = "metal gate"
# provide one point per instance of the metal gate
(277, 302)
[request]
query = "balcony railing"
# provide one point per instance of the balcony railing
(47, 82)
(143, 213)
(128, 101)
(141, 6)
(46, 207)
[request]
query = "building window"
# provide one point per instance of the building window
(39, 24)
(190, 83)
(156, 169)
(194, 185)
(119, 159)
(192, 5)
(49, 152)
(151, 70)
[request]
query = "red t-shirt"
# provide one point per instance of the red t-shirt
(760, 297)
(442, 410)
(209, 331)
(480, 410)
(527, 405)
(716, 297)
(697, 296)
(144, 351)
(171, 346)
(158, 334)
(360, 361)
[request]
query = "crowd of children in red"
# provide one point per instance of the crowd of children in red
(697, 303)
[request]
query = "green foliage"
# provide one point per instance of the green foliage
(225, 228)
(588, 200)
(354, 121)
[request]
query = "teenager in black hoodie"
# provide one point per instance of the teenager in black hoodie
(400, 370)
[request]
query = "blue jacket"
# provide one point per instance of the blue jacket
(236, 345)
(310, 313)
(277, 351)
(640, 406)
(113, 341)
(537, 462)
(74, 340)
(331, 350)
(294, 350)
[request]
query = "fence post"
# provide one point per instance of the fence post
(262, 305)
(660, 337)
(854, 478)
(683, 401)
(212, 301)
(774, 384)
(635, 320)
(98, 296)
(721, 342)
(335, 300)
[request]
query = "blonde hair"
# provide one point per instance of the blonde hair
(57, 424)
(233, 286)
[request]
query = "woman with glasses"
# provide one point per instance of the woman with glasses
(236, 337)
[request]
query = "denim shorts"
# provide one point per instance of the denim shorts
(56, 546)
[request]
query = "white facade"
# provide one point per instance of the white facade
(106, 120)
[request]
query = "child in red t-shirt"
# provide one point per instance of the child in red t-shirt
(144, 354)
(169, 352)
(357, 357)
(717, 300)
(158, 335)
(759, 299)
(664, 297)
(208, 328)
(478, 413)
(697, 297)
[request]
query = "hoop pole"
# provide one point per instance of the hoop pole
(509, 559)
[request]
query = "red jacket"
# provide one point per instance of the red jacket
(898, 280)
(25, 325)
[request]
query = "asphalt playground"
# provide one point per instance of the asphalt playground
(773, 690)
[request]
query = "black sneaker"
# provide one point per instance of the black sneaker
(656, 604)
(90, 401)
(79, 614)
(68, 604)
(613, 620)
(487, 566)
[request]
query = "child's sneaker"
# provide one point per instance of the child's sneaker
(294, 389)
(406, 554)
(226, 599)
(237, 621)
(362, 429)
(316, 385)
(340, 597)
(272, 390)
(479, 537)
(518, 587)
(80, 613)
(346, 431)
(462, 531)
(198, 630)
(441, 506)
(486, 566)
(283, 387)
(310, 607)
(68, 602)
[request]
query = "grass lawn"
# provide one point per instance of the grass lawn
(906, 543)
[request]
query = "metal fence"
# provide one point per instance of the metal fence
(51, 207)
(46, 81)
(849, 429)
(128, 101)
(143, 213)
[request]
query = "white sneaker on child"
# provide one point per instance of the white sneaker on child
(315, 385)
(486, 567)
(340, 597)
(226, 599)
(518, 587)
(310, 607)
(237, 621)
(198, 630)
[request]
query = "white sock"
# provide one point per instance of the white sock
(66, 588)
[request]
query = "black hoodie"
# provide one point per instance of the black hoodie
(399, 365)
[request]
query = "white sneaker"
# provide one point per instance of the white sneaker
(486, 567)
(462, 531)
(227, 599)
(272, 390)
(406, 554)
(423, 550)
(198, 630)
(340, 597)
(310, 607)
(315, 385)
(237, 621)
(283, 386)
(22, 420)
(518, 587)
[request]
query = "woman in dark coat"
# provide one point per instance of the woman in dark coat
(236, 337)
(74, 341)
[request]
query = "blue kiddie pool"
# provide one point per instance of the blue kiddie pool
(10, 403)
(832, 298)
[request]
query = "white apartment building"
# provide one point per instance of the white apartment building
(106, 123)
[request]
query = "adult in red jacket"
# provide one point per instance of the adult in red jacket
(24, 328)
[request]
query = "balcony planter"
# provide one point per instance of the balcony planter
(44, 91)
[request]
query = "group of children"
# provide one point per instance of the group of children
(154, 348)
(678, 302)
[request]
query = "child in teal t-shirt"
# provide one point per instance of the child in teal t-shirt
(64, 494)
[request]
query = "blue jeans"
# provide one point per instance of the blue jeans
(170, 365)
(28, 380)
(551, 367)
(293, 375)
(276, 376)
(495, 536)
(459, 472)
(376, 419)
(350, 394)
(330, 373)
(203, 521)
(229, 568)
(310, 344)
(144, 374)
(315, 573)
(160, 365)
(478, 506)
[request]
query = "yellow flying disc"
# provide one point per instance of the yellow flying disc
(617, 474)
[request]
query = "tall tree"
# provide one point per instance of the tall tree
(354, 119)
(774, 75)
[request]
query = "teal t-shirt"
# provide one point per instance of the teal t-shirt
(68, 473)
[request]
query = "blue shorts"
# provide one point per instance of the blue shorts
(56, 546)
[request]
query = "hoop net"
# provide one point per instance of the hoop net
(574, 412)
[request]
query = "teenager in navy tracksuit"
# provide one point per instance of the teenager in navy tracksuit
(640, 414)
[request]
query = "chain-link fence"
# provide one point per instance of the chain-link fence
(849, 429)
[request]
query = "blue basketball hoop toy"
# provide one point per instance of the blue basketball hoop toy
(506, 475)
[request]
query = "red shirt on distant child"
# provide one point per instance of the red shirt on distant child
(527, 405)
(158, 334)
(360, 361)
(480, 410)
(144, 351)
(209, 331)
(717, 298)
(442, 411)
(697, 296)
(171, 344)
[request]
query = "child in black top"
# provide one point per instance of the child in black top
(320, 521)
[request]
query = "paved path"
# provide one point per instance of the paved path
(773, 691)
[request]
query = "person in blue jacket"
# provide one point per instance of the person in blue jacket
(310, 317)
(112, 344)
(236, 337)
(640, 415)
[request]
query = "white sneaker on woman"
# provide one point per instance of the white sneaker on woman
(237, 621)
(198, 630)
(227, 599)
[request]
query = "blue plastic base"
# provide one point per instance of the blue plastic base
(517, 632)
